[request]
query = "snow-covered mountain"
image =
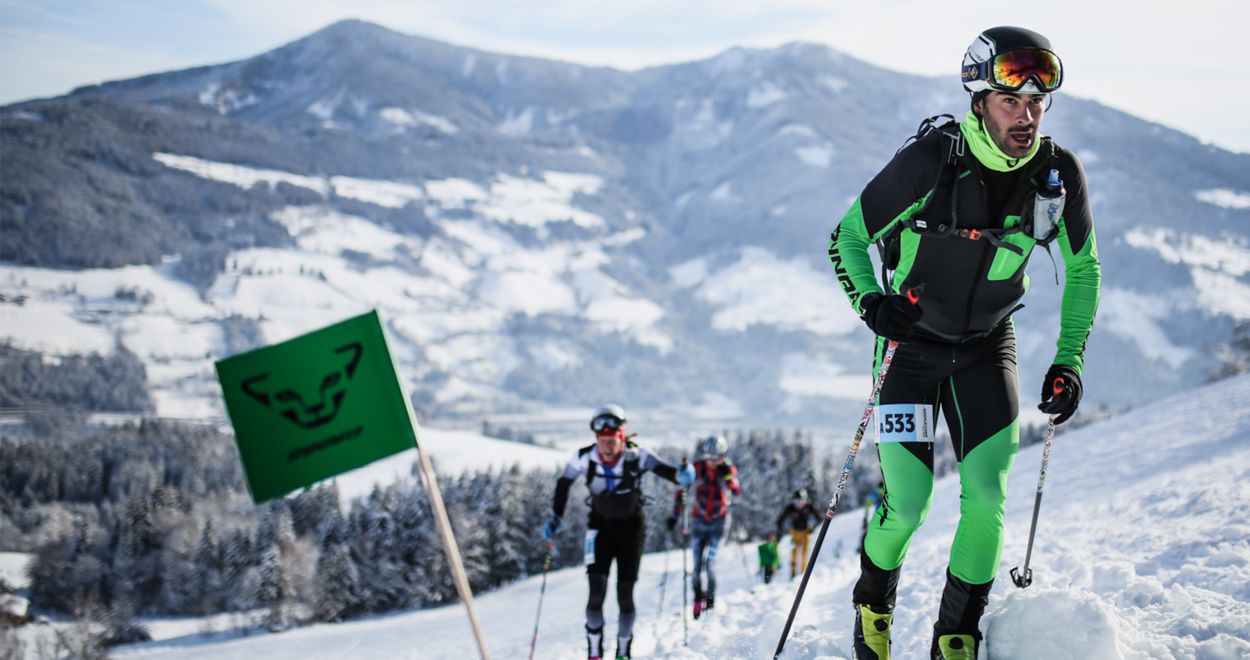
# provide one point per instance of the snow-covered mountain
(1140, 553)
(541, 235)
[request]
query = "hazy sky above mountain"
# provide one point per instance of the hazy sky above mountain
(1158, 59)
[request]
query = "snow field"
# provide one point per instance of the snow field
(1141, 553)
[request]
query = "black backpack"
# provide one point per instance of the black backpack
(625, 499)
(939, 217)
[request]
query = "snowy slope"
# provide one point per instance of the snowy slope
(1141, 553)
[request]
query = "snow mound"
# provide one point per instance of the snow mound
(1052, 623)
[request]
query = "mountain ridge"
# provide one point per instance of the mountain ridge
(672, 220)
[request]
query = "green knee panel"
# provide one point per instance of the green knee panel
(909, 494)
(983, 496)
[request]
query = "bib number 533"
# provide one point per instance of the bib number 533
(905, 422)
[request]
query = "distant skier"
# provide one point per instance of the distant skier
(770, 558)
(956, 215)
(613, 468)
(871, 502)
(716, 479)
(799, 517)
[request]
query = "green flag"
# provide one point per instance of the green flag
(315, 406)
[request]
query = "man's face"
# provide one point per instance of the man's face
(611, 444)
(1013, 120)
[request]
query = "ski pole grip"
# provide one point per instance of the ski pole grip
(1058, 386)
(913, 293)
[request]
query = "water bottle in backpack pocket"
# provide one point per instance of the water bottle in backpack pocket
(1043, 224)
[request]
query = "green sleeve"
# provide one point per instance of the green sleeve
(848, 252)
(1082, 281)
(896, 193)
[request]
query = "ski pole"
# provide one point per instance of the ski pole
(837, 493)
(913, 296)
(1024, 578)
(663, 577)
(685, 571)
(542, 591)
(746, 565)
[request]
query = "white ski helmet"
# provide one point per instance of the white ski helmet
(1011, 59)
(608, 416)
(713, 446)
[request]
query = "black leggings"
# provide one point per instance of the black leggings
(974, 385)
(622, 541)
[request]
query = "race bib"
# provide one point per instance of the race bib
(588, 547)
(905, 422)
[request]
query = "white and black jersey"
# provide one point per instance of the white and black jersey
(615, 490)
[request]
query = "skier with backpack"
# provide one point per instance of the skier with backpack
(613, 468)
(871, 502)
(716, 478)
(799, 517)
(955, 215)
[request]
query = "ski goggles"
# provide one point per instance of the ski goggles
(606, 423)
(1012, 70)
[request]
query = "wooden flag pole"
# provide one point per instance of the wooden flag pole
(449, 541)
(440, 516)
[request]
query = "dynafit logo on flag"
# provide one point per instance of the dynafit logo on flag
(321, 407)
(315, 406)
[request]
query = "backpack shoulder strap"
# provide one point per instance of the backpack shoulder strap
(956, 147)
(633, 459)
(949, 128)
(632, 466)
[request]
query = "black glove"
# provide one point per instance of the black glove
(671, 523)
(1061, 392)
(893, 317)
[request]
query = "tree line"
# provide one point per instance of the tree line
(92, 382)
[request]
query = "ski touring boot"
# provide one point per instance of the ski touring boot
(956, 635)
(872, 633)
(955, 646)
(708, 602)
(622, 647)
(594, 643)
(698, 607)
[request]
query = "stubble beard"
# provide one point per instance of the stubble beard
(1002, 137)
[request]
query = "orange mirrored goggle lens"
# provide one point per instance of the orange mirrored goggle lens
(1013, 69)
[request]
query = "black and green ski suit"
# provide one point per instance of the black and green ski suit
(962, 358)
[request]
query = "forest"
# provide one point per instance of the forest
(153, 518)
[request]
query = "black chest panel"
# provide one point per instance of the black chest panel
(1000, 188)
(624, 499)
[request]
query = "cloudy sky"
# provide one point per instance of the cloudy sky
(1175, 63)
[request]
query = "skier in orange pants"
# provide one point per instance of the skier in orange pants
(799, 517)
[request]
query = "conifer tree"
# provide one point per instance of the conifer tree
(337, 581)
(274, 589)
